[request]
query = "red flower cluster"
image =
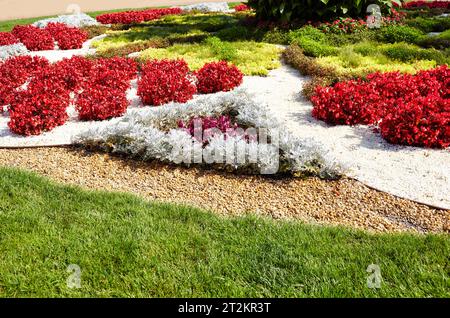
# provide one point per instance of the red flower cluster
(425, 121)
(104, 95)
(125, 68)
(342, 25)
(34, 38)
(68, 38)
(421, 4)
(7, 38)
(14, 72)
(41, 107)
(242, 7)
(218, 77)
(74, 72)
(165, 81)
(129, 17)
(409, 109)
(100, 88)
(97, 102)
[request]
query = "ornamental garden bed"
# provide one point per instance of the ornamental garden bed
(144, 86)
(269, 117)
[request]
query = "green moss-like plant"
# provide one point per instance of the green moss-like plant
(399, 33)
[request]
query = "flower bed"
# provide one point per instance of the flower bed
(99, 88)
(409, 109)
(129, 17)
(42, 105)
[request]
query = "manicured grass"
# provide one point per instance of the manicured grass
(6, 26)
(126, 247)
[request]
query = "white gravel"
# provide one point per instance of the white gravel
(421, 175)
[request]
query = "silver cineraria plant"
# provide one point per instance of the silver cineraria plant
(152, 133)
(7, 51)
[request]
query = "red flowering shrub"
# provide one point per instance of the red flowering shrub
(129, 17)
(41, 107)
(422, 121)
(101, 88)
(218, 76)
(165, 81)
(7, 38)
(241, 7)
(74, 72)
(68, 38)
(347, 103)
(99, 103)
(429, 4)
(409, 109)
(34, 38)
(126, 67)
(104, 94)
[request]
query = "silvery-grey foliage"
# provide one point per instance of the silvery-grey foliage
(7, 51)
(75, 20)
(208, 7)
(152, 133)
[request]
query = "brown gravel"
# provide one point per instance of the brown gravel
(345, 202)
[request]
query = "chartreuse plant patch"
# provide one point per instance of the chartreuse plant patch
(358, 65)
(252, 58)
(367, 57)
(119, 38)
(127, 247)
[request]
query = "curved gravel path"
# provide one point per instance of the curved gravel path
(344, 202)
(418, 174)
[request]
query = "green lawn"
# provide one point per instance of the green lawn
(130, 248)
